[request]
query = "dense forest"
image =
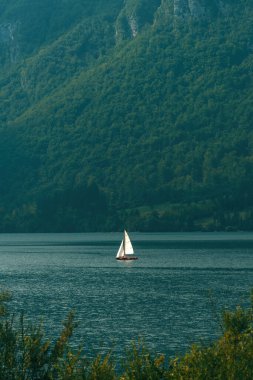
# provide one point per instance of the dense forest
(131, 114)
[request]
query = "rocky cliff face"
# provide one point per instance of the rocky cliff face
(191, 8)
(137, 13)
(9, 47)
(134, 16)
(197, 8)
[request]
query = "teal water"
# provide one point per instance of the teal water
(164, 297)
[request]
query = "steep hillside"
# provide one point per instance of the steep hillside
(126, 112)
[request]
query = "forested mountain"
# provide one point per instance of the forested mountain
(126, 113)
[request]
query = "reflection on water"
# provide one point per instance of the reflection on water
(163, 296)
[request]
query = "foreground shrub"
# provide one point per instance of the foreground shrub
(230, 357)
(26, 354)
(139, 364)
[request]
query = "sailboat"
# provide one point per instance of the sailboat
(126, 250)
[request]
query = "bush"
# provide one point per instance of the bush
(230, 357)
(26, 354)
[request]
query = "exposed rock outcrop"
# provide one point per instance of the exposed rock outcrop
(134, 16)
(184, 9)
(8, 43)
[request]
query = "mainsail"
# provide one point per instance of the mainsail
(128, 245)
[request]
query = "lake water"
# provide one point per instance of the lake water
(164, 297)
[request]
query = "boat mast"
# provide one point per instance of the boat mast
(124, 243)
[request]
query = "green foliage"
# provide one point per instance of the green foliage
(161, 122)
(140, 365)
(230, 357)
(5, 297)
(26, 354)
(101, 368)
(237, 322)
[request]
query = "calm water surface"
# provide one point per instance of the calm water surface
(164, 297)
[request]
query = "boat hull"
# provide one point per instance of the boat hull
(126, 258)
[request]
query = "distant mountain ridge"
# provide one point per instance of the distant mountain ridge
(134, 113)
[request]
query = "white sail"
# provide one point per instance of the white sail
(128, 245)
(121, 250)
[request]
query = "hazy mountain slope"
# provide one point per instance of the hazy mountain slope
(143, 116)
(32, 24)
